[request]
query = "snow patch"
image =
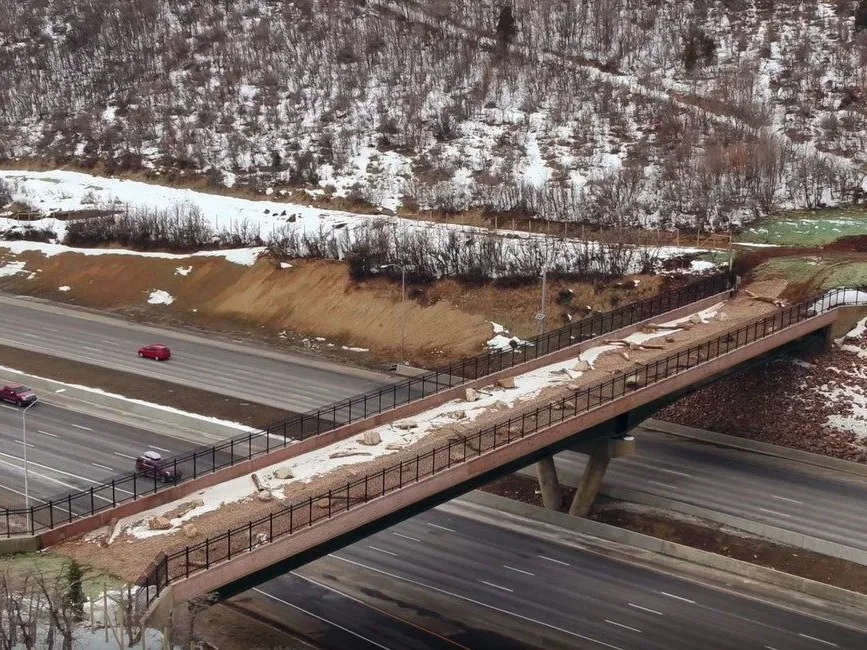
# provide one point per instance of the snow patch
(11, 268)
(183, 270)
(65, 287)
(160, 297)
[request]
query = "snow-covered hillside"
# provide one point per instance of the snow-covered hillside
(608, 111)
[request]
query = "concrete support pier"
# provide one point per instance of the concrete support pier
(549, 484)
(600, 453)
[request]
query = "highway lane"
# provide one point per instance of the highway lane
(246, 372)
(463, 572)
(793, 496)
(68, 451)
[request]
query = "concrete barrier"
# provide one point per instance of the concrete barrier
(772, 533)
(626, 537)
(723, 440)
(15, 545)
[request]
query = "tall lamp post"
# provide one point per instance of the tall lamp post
(26, 466)
(402, 303)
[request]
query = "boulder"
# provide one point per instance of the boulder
(347, 454)
(695, 319)
(371, 438)
(624, 354)
(394, 446)
(406, 425)
(190, 530)
(159, 523)
(670, 339)
(264, 495)
(458, 415)
(722, 316)
(581, 366)
(471, 395)
(631, 381)
(506, 382)
(500, 405)
(283, 473)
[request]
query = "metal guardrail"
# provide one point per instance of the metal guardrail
(303, 514)
(206, 460)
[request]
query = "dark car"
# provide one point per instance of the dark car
(155, 351)
(18, 394)
(150, 463)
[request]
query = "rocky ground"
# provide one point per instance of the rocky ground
(816, 402)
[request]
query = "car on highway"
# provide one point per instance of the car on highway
(151, 464)
(155, 351)
(18, 394)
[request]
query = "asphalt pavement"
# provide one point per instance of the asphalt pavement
(296, 383)
(440, 580)
(69, 451)
(794, 496)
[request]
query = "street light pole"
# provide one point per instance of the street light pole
(26, 466)
(403, 311)
(542, 314)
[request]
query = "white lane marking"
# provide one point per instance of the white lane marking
(671, 471)
(774, 496)
(625, 627)
(812, 638)
(102, 467)
(21, 442)
(770, 647)
(107, 342)
(686, 600)
(381, 550)
(168, 451)
(324, 620)
(551, 559)
(491, 584)
(32, 472)
(48, 433)
(90, 347)
(511, 568)
(48, 329)
(81, 426)
(477, 602)
(414, 539)
(60, 471)
(774, 512)
(117, 453)
(6, 406)
(451, 530)
(645, 609)
(665, 485)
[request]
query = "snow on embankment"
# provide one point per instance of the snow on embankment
(63, 191)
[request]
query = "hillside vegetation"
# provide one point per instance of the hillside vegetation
(611, 112)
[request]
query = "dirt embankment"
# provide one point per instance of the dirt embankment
(440, 322)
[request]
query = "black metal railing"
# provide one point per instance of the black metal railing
(83, 503)
(305, 513)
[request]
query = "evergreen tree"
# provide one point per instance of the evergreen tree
(861, 16)
(507, 29)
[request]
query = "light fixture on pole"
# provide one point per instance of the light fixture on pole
(402, 303)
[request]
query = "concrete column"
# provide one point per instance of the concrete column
(549, 484)
(591, 480)
(600, 453)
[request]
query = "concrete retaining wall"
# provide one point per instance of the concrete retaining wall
(663, 547)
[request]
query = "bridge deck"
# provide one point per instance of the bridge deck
(128, 556)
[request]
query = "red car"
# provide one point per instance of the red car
(17, 394)
(157, 352)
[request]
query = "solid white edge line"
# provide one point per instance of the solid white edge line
(551, 559)
(414, 539)
(775, 496)
(477, 602)
(451, 530)
(320, 618)
(775, 512)
(105, 467)
(81, 426)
